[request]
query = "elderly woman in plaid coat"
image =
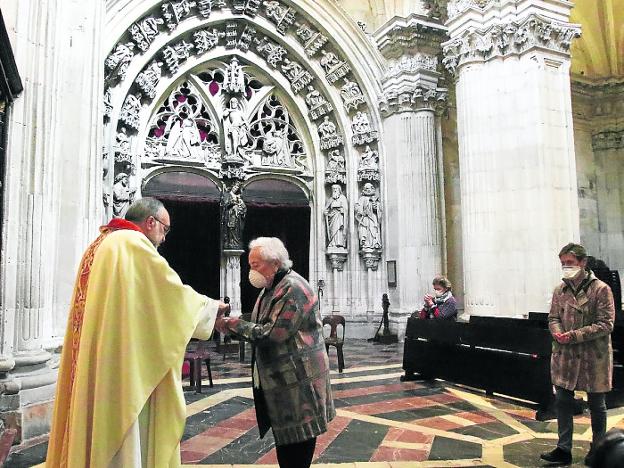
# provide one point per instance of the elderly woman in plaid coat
(292, 391)
(580, 320)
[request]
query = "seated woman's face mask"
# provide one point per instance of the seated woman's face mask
(257, 279)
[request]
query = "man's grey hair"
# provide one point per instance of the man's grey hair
(575, 249)
(143, 208)
(272, 249)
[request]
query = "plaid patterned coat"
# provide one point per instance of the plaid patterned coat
(586, 363)
(293, 367)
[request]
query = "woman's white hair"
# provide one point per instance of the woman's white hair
(272, 249)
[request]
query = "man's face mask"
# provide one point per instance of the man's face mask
(570, 272)
(257, 279)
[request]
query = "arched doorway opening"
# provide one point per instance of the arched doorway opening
(275, 208)
(192, 246)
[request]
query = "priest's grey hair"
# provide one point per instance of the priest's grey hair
(143, 208)
(272, 249)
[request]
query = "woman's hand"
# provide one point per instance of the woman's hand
(428, 300)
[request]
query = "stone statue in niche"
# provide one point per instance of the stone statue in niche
(184, 140)
(368, 216)
(118, 61)
(130, 110)
(148, 79)
(362, 131)
(234, 79)
(336, 168)
(123, 195)
(235, 129)
(351, 95)
(336, 213)
(368, 169)
(275, 150)
(233, 212)
(329, 135)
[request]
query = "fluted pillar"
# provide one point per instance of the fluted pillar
(412, 99)
(52, 195)
(517, 164)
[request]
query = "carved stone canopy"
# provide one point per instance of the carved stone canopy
(411, 35)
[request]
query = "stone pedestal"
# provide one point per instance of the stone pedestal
(337, 258)
(518, 173)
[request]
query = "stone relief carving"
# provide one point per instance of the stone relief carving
(233, 213)
(456, 7)
(368, 217)
(234, 78)
(145, 31)
(205, 6)
(118, 61)
(246, 38)
(148, 79)
(317, 104)
(235, 129)
(282, 16)
(333, 67)
(108, 106)
(231, 35)
(271, 51)
(368, 169)
(123, 194)
(336, 168)
(329, 134)
(175, 12)
(311, 39)
(362, 130)
(507, 39)
(299, 77)
(351, 95)
(605, 140)
(248, 7)
(130, 111)
(206, 40)
(183, 129)
(411, 64)
(177, 54)
(336, 215)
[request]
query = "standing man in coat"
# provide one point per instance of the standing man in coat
(580, 320)
(291, 387)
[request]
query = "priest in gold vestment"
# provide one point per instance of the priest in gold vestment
(119, 400)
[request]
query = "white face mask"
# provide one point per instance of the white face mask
(570, 272)
(257, 280)
(437, 293)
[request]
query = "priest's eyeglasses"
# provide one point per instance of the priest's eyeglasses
(166, 227)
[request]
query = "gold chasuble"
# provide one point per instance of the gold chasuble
(130, 321)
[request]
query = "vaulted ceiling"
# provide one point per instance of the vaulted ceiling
(599, 53)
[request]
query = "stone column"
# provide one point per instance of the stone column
(232, 280)
(412, 98)
(52, 195)
(517, 165)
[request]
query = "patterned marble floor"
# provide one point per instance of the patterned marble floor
(381, 421)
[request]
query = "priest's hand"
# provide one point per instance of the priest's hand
(562, 338)
(223, 310)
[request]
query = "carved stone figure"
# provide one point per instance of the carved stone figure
(234, 77)
(336, 215)
(122, 143)
(312, 40)
(275, 149)
(233, 212)
(336, 168)
(329, 135)
(246, 38)
(184, 140)
(174, 12)
(145, 31)
(317, 104)
(130, 110)
(118, 61)
(123, 195)
(272, 52)
(206, 40)
(351, 95)
(299, 77)
(108, 105)
(283, 17)
(367, 216)
(148, 79)
(369, 159)
(329, 61)
(175, 55)
(235, 128)
(361, 124)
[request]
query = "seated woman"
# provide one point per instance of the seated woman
(441, 304)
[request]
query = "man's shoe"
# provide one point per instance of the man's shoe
(558, 456)
(589, 458)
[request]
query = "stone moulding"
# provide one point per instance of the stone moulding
(455, 8)
(509, 38)
(608, 140)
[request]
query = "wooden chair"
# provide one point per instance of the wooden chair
(196, 353)
(333, 340)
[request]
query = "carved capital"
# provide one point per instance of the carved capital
(371, 258)
(337, 257)
(410, 35)
(608, 140)
(455, 8)
(412, 97)
(507, 38)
